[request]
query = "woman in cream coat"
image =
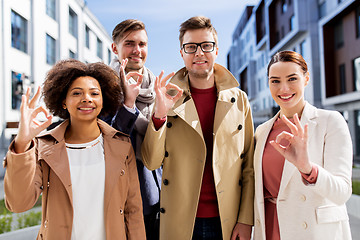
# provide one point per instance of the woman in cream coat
(302, 165)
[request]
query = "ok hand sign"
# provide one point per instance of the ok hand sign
(296, 151)
(29, 126)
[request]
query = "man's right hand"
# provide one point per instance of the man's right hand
(130, 88)
(163, 101)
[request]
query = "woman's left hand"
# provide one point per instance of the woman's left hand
(296, 151)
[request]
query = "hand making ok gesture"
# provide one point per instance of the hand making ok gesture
(296, 151)
(29, 126)
(164, 101)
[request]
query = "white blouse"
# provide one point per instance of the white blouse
(87, 169)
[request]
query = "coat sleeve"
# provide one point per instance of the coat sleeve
(246, 210)
(23, 179)
(134, 220)
(153, 146)
(124, 121)
(334, 176)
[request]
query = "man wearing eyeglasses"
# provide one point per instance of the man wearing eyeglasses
(202, 133)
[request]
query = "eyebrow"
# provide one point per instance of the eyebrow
(274, 77)
(79, 88)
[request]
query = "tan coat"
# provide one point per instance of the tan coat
(27, 177)
(316, 211)
(179, 145)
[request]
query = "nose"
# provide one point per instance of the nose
(284, 87)
(87, 98)
(136, 49)
(199, 51)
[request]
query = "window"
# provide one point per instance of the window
(87, 36)
(109, 56)
(99, 48)
(72, 54)
(290, 1)
(338, 32)
(357, 131)
(50, 8)
(302, 48)
(72, 23)
(357, 22)
(292, 23)
(283, 6)
(50, 50)
(356, 70)
(16, 89)
(19, 39)
(342, 78)
(282, 32)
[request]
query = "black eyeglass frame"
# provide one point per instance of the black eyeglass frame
(198, 45)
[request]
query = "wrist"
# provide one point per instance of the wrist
(306, 170)
(129, 103)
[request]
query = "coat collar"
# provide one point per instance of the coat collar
(224, 80)
(55, 155)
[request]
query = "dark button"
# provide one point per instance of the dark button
(169, 124)
(166, 154)
(162, 210)
(127, 157)
(166, 182)
(240, 182)
(176, 116)
(242, 156)
(232, 100)
(239, 127)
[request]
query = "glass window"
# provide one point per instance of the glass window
(50, 50)
(50, 8)
(338, 32)
(87, 36)
(358, 22)
(99, 48)
(356, 71)
(72, 54)
(342, 78)
(292, 23)
(72, 23)
(357, 132)
(302, 48)
(283, 6)
(19, 39)
(109, 56)
(16, 89)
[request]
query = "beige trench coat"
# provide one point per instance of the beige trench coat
(179, 145)
(27, 177)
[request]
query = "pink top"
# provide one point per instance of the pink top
(273, 164)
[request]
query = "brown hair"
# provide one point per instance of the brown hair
(198, 22)
(288, 56)
(61, 76)
(125, 26)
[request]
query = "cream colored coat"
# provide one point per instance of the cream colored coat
(310, 211)
(27, 177)
(179, 145)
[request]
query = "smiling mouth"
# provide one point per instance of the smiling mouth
(200, 62)
(86, 109)
(286, 97)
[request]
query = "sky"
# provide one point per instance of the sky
(162, 19)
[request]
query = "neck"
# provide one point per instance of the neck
(289, 113)
(202, 83)
(82, 132)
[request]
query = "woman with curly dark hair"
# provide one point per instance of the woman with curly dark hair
(84, 168)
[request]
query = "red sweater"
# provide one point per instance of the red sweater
(205, 102)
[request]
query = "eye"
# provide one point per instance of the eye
(76, 93)
(292, 79)
(274, 81)
(142, 44)
(95, 93)
(129, 44)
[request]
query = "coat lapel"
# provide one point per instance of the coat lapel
(308, 114)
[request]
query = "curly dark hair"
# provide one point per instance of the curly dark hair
(61, 76)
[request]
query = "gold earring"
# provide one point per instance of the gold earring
(64, 106)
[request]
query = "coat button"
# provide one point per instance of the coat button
(176, 116)
(242, 156)
(232, 100)
(166, 182)
(304, 225)
(239, 127)
(121, 211)
(45, 223)
(166, 154)
(162, 210)
(169, 124)
(122, 172)
(303, 198)
(240, 182)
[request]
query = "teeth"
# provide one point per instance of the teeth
(85, 109)
(286, 97)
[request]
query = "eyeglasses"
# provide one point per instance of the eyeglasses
(192, 47)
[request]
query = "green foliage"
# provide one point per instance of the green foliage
(356, 187)
(29, 219)
(5, 222)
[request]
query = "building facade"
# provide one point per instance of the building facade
(34, 35)
(325, 32)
